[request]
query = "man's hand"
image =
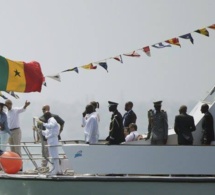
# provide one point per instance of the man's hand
(27, 103)
(39, 122)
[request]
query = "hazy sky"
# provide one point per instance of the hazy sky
(62, 34)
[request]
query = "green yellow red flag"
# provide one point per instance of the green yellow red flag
(20, 76)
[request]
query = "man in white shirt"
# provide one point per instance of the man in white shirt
(133, 135)
(51, 133)
(14, 125)
(91, 127)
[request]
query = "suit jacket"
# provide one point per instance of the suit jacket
(128, 118)
(208, 128)
(184, 125)
(116, 134)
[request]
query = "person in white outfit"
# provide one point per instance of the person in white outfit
(91, 127)
(133, 135)
(86, 116)
(51, 133)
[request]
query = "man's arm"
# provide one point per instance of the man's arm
(176, 125)
(26, 104)
(193, 127)
(59, 121)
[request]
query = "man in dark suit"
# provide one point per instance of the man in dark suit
(116, 133)
(129, 117)
(184, 125)
(207, 126)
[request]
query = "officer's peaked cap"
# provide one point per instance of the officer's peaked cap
(112, 103)
(157, 103)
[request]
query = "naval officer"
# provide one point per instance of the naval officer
(158, 125)
(116, 134)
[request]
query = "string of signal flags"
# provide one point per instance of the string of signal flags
(136, 53)
(19, 76)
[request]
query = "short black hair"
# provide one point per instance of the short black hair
(47, 115)
(90, 108)
(205, 106)
(133, 125)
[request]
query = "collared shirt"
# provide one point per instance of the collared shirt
(124, 117)
(13, 117)
(91, 129)
(132, 136)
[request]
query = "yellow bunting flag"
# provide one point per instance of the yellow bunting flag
(89, 66)
(203, 31)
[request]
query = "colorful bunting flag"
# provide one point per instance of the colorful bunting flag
(13, 94)
(104, 65)
(20, 76)
(147, 51)
(55, 77)
(203, 31)
(132, 54)
(72, 69)
(44, 83)
(118, 58)
(1, 95)
(89, 66)
(212, 26)
(173, 41)
(160, 45)
(187, 36)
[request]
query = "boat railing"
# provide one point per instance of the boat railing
(32, 155)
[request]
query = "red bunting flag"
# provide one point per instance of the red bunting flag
(174, 41)
(132, 54)
(147, 50)
(118, 58)
(212, 26)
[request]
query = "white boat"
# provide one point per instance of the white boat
(134, 168)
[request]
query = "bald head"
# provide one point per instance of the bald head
(9, 104)
(46, 108)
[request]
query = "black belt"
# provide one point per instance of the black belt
(14, 128)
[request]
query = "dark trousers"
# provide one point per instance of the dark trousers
(158, 142)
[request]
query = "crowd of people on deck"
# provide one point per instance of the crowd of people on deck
(121, 129)
(124, 128)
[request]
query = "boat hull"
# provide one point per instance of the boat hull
(107, 185)
(141, 159)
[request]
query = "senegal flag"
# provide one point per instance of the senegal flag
(20, 76)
